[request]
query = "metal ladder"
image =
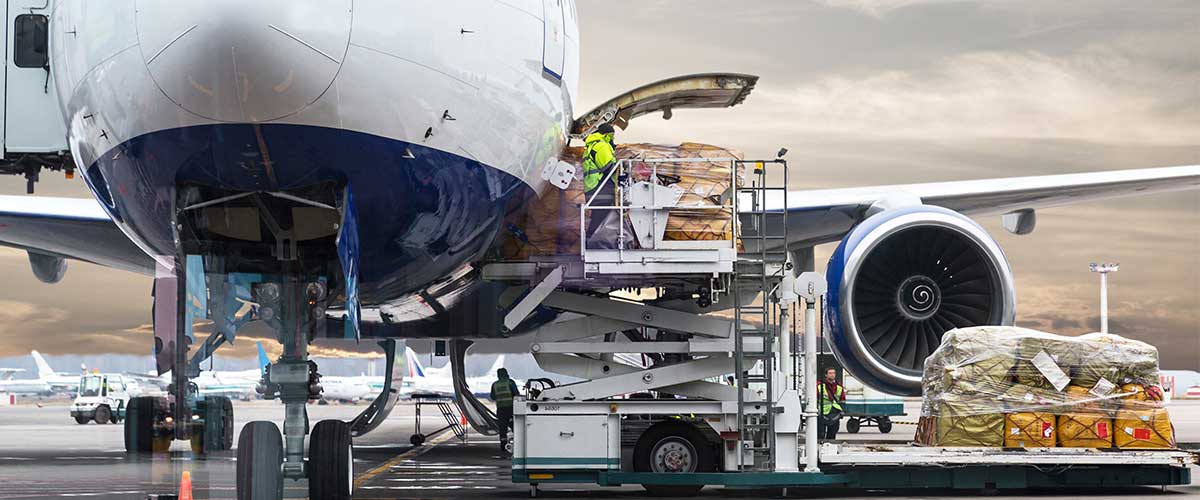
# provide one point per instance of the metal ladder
(758, 270)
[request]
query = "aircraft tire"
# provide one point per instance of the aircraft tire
(216, 433)
(331, 461)
(260, 462)
(103, 414)
(139, 425)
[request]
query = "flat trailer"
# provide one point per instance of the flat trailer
(871, 413)
(582, 442)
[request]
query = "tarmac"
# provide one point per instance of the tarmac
(44, 454)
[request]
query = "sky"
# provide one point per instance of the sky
(863, 92)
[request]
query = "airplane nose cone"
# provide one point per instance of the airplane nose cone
(243, 60)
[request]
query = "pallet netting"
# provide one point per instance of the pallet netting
(1020, 388)
(549, 225)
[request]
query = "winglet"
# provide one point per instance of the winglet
(263, 360)
(44, 369)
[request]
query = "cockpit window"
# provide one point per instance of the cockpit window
(30, 46)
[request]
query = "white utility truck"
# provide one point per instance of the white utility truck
(101, 397)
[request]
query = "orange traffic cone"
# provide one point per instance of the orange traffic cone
(462, 419)
(185, 486)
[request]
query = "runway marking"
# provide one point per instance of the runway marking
(398, 459)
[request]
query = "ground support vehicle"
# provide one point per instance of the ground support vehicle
(669, 427)
(102, 398)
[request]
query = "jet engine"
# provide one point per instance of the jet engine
(48, 268)
(901, 279)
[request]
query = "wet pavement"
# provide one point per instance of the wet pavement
(43, 454)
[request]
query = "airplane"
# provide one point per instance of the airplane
(240, 384)
(11, 385)
(58, 382)
(343, 169)
(418, 382)
(440, 381)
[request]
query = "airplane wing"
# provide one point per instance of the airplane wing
(826, 215)
(68, 228)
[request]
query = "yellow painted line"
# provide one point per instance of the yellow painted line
(415, 452)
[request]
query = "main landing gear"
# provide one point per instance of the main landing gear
(150, 424)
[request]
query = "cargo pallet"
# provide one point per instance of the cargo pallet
(704, 431)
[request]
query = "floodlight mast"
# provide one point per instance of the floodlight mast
(1104, 269)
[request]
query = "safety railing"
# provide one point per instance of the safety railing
(646, 199)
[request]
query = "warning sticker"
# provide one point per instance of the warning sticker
(1142, 434)
(1047, 430)
(1102, 430)
(1103, 387)
(1049, 369)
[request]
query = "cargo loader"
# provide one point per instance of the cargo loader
(671, 423)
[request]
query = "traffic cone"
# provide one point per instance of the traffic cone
(185, 486)
(462, 419)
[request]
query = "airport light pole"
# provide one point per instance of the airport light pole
(1104, 269)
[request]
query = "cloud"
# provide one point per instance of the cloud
(1097, 95)
(880, 8)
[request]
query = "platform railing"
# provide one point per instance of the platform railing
(623, 172)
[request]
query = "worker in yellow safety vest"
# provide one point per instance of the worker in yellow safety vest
(830, 396)
(503, 392)
(598, 158)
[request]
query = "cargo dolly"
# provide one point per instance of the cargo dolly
(674, 426)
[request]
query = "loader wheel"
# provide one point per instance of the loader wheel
(885, 425)
(102, 415)
(673, 447)
(853, 426)
(82, 420)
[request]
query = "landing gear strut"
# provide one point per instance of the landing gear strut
(295, 308)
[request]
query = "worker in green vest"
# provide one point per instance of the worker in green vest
(503, 392)
(598, 158)
(830, 396)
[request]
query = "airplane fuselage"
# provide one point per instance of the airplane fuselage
(433, 115)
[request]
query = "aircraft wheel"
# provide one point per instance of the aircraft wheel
(102, 415)
(673, 447)
(853, 426)
(331, 461)
(260, 462)
(417, 439)
(139, 425)
(82, 420)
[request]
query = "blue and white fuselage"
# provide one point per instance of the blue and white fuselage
(434, 114)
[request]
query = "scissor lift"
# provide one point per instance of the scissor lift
(672, 423)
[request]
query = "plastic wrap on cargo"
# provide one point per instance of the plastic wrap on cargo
(549, 225)
(1015, 387)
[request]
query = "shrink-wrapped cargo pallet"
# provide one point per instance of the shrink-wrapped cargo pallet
(1042, 390)
(550, 224)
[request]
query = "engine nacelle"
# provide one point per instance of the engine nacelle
(47, 268)
(901, 279)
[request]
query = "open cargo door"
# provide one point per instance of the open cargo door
(711, 90)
